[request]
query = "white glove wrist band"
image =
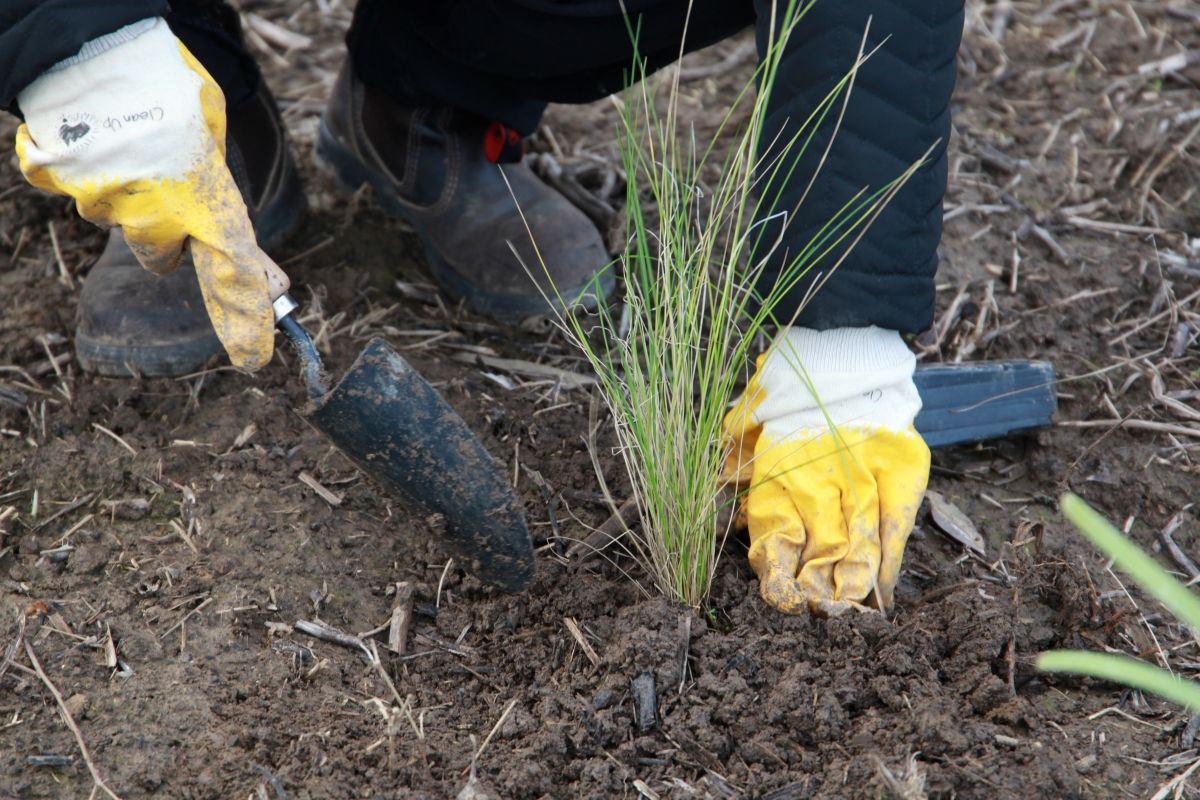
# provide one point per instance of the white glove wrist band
(108, 41)
(128, 111)
(862, 377)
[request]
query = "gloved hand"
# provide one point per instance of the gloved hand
(133, 128)
(830, 495)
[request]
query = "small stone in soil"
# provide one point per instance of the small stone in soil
(603, 700)
(133, 508)
(77, 706)
(1189, 732)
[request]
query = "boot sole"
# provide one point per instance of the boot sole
(126, 361)
(277, 222)
(351, 173)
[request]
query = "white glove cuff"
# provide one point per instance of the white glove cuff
(131, 110)
(108, 41)
(858, 376)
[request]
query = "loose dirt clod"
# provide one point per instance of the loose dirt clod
(133, 508)
(909, 785)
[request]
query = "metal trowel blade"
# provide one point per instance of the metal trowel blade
(390, 422)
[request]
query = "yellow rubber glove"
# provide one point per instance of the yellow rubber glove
(829, 510)
(133, 128)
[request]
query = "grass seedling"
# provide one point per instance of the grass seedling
(1155, 581)
(670, 359)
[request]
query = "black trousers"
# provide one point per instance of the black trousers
(506, 59)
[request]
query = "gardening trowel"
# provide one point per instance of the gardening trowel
(391, 423)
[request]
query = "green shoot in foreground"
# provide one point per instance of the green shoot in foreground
(1153, 580)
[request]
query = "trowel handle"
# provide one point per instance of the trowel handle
(310, 361)
(277, 280)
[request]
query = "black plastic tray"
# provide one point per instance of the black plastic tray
(972, 402)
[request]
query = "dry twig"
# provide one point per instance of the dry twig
(333, 498)
(573, 627)
(487, 740)
(67, 718)
(1176, 552)
(114, 437)
(326, 633)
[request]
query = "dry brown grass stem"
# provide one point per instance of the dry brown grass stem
(97, 779)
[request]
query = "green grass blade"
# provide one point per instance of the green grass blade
(1123, 670)
(1130, 559)
(669, 359)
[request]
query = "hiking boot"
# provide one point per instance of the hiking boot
(132, 322)
(436, 169)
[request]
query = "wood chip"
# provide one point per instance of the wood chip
(645, 791)
(77, 706)
(333, 498)
(402, 612)
(244, 436)
(503, 381)
(110, 648)
(130, 509)
(954, 523)
(278, 628)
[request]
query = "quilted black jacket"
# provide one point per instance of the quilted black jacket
(900, 106)
(37, 34)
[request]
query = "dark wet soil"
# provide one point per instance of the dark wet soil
(187, 560)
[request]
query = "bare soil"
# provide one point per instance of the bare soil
(164, 524)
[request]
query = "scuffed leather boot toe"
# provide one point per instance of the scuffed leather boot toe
(437, 170)
(132, 322)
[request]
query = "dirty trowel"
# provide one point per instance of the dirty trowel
(397, 429)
